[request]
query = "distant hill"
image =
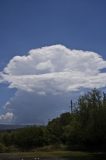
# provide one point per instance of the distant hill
(10, 126)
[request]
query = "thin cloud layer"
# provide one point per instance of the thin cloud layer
(54, 70)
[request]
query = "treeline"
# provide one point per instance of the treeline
(82, 129)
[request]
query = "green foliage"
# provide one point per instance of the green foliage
(84, 128)
(30, 137)
(3, 148)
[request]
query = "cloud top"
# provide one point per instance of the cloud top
(55, 69)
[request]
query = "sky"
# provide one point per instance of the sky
(50, 51)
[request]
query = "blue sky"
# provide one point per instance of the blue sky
(29, 24)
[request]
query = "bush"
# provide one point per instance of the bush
(3, 148)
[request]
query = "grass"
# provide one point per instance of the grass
(48, 154)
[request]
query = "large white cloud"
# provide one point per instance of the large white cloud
(55, 69)
(52, 71)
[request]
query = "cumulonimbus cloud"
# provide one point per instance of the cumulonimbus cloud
(52, 71)
(55, 69)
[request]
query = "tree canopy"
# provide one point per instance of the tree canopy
(83, 128)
